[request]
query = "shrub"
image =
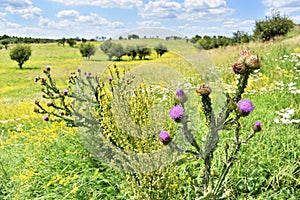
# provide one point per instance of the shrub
(272, 27)
(21, 54)
(87, 50)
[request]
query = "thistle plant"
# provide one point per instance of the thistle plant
(123, 126)
(234, 109)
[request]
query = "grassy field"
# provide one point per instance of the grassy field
(46, 160)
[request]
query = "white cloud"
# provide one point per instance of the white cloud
(67, 13)
(148, 23)
(290, 8)
(281, 3)
(189, 10)
(103, 3)
(161, 9)
(24, 8)
(73, 19)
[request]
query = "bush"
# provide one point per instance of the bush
(272, 27)
(21, 54)
(87, 50)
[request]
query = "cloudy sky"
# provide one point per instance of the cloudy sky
(91, 18)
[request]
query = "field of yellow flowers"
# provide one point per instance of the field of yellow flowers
(46, 160)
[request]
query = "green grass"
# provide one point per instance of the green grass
(47, 160)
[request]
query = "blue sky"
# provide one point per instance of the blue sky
(91, 18)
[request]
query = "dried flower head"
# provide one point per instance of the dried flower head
(204, 90)
(176, 113)
(244, 53)
(239, 68)
(165, 137)
(253, 62)
(245, 106)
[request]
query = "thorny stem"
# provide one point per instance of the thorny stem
(242, 84)
(232, 157)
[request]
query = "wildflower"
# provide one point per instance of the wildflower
(165, 137)
(36, 79)
(204, 90)
(110, 78)
(180, 96)
(47, 68)
(176, 113)
(239, 68)
(45, 118)
(78, 70)
(245, 107)
(257, 126)
(253, 62)
(88, 75)
(65, 91)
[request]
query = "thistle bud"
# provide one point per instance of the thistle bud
(257, 126)
(180, 96)
(165, 137)
(253, 62)
(239, 68)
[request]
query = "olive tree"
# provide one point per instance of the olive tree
(20, 53)
(87, 50)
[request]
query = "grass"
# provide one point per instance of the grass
(41, 160)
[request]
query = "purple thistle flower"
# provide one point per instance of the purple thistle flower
(65, 91)
(47, 67)
(78, 70)
(176, 113)
(110, 78)
(165, 137)
(257, 126)
(245, 106)
(180, 96)
(46, 118)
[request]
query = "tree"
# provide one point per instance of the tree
(5, 43)
(271, 27)
(131, 52)
(71, 42)
(87, 50)
(143, 51)
(160, 49)
(20, 53)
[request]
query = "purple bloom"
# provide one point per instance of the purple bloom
(245, 106)
(78, 70)
(47, 67)
(165, 137)
(257, 126)
(110, 78)
(46, 118)
(180, 96)
(65, 91)
(176, 113)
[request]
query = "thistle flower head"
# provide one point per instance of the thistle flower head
(239, 68)
(176, 113)
(45, 118)
(244, 53)
(245, 106)
(180, 96)
(47, 67)
(257, 126)
(65, 91)
(78, 70)
(165, 137)
(253, 62)
(110, 78)
(203, 90)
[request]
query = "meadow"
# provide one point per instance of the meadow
(47, 160)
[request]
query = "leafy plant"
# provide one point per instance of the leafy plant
(20, 53)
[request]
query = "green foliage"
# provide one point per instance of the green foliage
(20, 53)
(71, 42)
(273, 26)
(87, 50)
(160, 49)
